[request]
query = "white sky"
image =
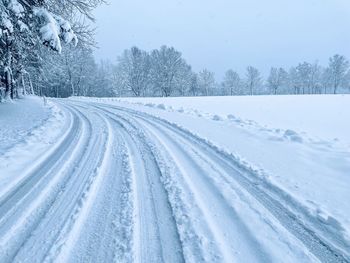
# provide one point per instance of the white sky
(223, 34)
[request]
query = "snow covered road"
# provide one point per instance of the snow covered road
(120, 185)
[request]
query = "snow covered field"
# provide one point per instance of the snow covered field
(318, 116)
(224, 179)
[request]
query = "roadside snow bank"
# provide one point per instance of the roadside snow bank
(19, 118)
(28, 130)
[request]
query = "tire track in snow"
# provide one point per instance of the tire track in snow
(315, 244)
(47, 210)
(157, 225)
(190, 241)
(33, 175)
(29, 202)
(107, 228)
(155, 231)
(125, 226)
(324, 251)
(58, 203)
(126, 186)
(69, 235)
(198, 176)
(208, 231)
(195, 253)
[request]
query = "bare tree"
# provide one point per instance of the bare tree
(303, 71)
(194, 86)
(325, 80)
(338, 67)
(167, 67)
(134, 65)
(347, 80)
(232, 82)
(276, 79)
(253, 79)
(183, 79)
(294, 81)
(315, 78)
(206, 81)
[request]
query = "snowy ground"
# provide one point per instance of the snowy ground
(19, 118)
(257, 179)
(319, 116)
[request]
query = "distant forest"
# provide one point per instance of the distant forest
(42, 53)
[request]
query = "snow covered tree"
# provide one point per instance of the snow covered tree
(21, 26)
(194, 86)
(338, 67)
(167, 67)
(14, 36)
(134, 67)
(303, 71)
(103, 85)
(73, 72)
(294, 81)
(277, 78)
(315, 79)
(347, 80)
(27, 25)
(325, 80)
(307, 78)
(206, 81)
(117, 80)
(232, 82)
(253, 79)
(183, 79)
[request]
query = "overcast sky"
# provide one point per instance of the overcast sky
(223, 34)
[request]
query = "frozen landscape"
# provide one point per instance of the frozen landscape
(175, 179)
(192, 131)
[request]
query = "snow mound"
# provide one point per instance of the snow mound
(161, 106)
(293, 136)
(216, 118)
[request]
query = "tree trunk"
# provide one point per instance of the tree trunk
(8, 71)
(13, 91)
(31, 85)
(24, 92)
(7, 83)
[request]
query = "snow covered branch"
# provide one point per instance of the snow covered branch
(54, 29)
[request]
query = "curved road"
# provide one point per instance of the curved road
(124, 186)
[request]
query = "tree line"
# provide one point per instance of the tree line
(305, 78)
(43, 62)
(163, 72)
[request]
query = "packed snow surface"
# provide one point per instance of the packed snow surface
(222, 179)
